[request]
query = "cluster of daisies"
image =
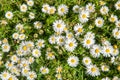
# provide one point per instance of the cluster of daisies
(28, 51)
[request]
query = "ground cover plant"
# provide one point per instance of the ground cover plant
(59, 39)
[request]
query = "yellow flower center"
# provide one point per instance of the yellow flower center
(105, 68)
(59, 26)
(72, 61)
(112, 19)
(25, 48)
(90, 7)
(104, 10)
(76, 9)
(9, 14)
(88, 41)
(62, 10)
(71, 44)
(44, 71)
(93, 69)
(97, 50)
(50, 54)
(46, 8)
(84, 16)
(69, 35)
(40, 44)
(117, 33)
(5, 47)
(80, 30)
(99, 22)
(118, 5)
(25, 71)
(4, 75)
(52, 11)
(38, 24)
(86, 61)
(107, 50)
(24, 65)
(10, 78)
(31, 76)
(61, 39)
(36, 52)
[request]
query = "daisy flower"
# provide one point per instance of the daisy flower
(3, 22)
(31, 60)
(19, 26)
(45, 8)
(52, 39)
(19, 52)
(99, 22)
(24, 48)
(15, 70)
(44, 70)
(115, 52)
(88, 42)
(107, 50)
(90, 7)
(38, 24)
(9, 15)
(24, 63)
(117, 23)
(116, 33)
(58, 76)
(30, 44)
(25, 71)
(59, 26)
(59, 69)
(12, 77)
(86, 61)
(5, 41)
(23, 8)
(50, 55)
(95, 51)
(60, 40)
(51, 10)
(36, 53)
(14, 58)
(9, 65)
(113, 18)
(83, 16)
(15, 35)
(105, 68)
(5, 47)
(31, 15)
(30, 2)
(62, 9)
(69, 35)
(31, 75)
(5, 75)
(89, 35)
(22, 37)
(117, 5)
(40, 43)
(78, 28)
(93, 70)
(104, 10)
(76, 9)
(73, 61)
(70, 44)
